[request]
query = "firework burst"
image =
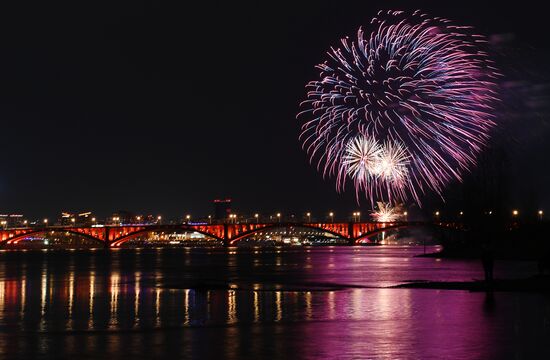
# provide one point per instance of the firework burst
(401, 109)
(392, 165)
(361, 161)
(387, 213)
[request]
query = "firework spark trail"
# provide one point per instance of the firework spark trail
(421, 88)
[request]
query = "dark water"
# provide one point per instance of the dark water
(317, 303)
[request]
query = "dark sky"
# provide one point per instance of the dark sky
(160, 109)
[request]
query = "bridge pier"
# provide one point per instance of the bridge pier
(106, 244)
(351, 240)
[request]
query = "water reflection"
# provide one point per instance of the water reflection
(315, 306)
(113, 304)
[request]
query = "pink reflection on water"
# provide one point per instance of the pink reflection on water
(299, 312)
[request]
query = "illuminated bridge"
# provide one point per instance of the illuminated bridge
(229, 234)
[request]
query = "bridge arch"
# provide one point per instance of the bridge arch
(283, 225)
(129, 236)
(20, 237)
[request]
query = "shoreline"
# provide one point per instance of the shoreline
(536, 284)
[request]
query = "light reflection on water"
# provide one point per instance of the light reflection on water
(274, 303)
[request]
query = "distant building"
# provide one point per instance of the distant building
(12, 221)
(79, 219)
(222, 209)
(123, 217)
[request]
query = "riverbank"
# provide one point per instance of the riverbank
(538, 283)
(475, 253)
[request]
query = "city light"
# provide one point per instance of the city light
(331, 214)
(515, 213)
(45, 221)
(437, 213)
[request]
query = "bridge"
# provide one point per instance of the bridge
(115, 235)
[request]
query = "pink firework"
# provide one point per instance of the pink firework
(421, 90)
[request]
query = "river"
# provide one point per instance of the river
(259, 303)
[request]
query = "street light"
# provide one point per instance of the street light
(540, 214)
(73, 220)
(308, 217)
(257, 216)
(210, 219)
(159, 219)
(188, 217)
(93, 219)
(46, 221)
(515, 213)
(279, 217)
(331, 214)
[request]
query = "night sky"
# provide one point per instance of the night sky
(160, 110)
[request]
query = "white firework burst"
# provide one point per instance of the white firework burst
(387, 213)
(361, 159)
(393, 164)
